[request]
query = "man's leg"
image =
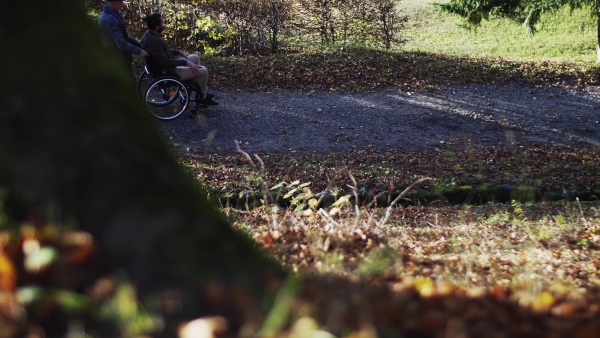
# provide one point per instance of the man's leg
(202, 83)
(194, 58)
(200, 77)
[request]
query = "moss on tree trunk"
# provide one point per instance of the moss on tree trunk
(76, 143)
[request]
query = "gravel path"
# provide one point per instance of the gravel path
(306, 122)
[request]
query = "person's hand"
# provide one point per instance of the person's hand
(143, 53)
(184, 54)
(193, 67)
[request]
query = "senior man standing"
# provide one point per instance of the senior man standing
(113, 24)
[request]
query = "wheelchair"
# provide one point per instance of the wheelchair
(166, 96)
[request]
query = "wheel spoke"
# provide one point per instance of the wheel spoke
(166, 98)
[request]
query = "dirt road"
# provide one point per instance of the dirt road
(304, 122)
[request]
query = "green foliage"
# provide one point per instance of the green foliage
(299, 195)
(71, 302)
(583, 242)
(215, 32)
(280, 312)
(124, 308)
(93, 15)
(373, 23)
(560, 35)
(377, 261)
(258, 26)
(121, 309)
(528, 12)
(562, 221)
(343, 200)
(234, 28)
(521, 210)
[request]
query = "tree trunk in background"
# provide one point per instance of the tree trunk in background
(75, 139)
(598, 34)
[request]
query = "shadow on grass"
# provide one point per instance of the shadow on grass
(363, 69)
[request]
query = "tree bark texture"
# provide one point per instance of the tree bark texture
(76, 142)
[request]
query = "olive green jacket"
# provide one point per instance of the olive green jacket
(160, 56)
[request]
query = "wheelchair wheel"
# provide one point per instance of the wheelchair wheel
(144, 81)
(166, 98)
(192, 113)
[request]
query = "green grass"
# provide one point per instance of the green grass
(561, 36)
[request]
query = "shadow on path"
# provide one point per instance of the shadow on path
(307, 122)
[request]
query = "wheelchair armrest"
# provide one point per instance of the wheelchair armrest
(156, 72)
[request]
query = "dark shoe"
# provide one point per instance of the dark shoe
(209, 102)
(208, 96)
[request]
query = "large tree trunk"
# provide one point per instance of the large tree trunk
(75, 139)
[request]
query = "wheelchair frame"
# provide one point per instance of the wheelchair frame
(166, 96)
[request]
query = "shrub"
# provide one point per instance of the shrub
(241, 27)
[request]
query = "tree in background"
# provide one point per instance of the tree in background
(527, 11)
(236, 27)
(277, 13)
(369, 23)
(317, 16)
(348, 12)
(254, 24)
(388, 21)
(242, 17)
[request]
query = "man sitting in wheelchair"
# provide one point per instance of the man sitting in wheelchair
(172, 61)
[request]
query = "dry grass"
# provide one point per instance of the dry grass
(470, 246)
(526, 263)
(495, 269)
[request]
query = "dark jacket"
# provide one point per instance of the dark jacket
(112, 23)
(160, 56)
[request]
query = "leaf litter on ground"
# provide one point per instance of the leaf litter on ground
(494, 270)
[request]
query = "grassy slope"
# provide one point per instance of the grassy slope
(438, 52)
(561, 36)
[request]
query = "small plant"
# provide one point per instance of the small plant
(376, 262)
(298, 194)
